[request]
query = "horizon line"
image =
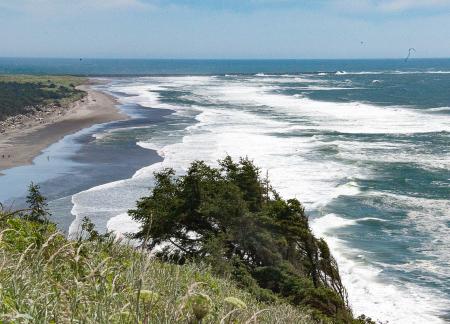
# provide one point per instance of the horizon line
(218, 59)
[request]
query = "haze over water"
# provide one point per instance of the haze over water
(364, 144)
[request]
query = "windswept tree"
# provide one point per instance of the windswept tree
(233, 219)
(37, 204)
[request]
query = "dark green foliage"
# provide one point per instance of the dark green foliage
(37, 205)
(17, 97)
(233, 219)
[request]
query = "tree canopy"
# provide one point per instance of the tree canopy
(232, 218)
(37, 203)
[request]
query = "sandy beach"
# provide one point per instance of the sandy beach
(21, 145)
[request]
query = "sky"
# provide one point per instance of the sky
(235, 29)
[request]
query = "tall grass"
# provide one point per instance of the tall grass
(45, 278)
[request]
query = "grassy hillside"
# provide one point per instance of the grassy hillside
(46, 279)
(18, 93)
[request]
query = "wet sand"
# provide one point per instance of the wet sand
(21, 146)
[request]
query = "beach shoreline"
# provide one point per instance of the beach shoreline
(19, 146)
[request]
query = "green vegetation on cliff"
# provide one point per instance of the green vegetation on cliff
(20, 93)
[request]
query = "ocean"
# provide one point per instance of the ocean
(364, 144)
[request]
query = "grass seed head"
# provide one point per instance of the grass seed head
(235, 302)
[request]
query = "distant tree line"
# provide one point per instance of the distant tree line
(17, 97)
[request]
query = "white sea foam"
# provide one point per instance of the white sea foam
(100, 136)
(353, 117)
(289, 79)
(439, 109)
(121, 224)
(151, 146)
(229, 121)
(318, 88)
(389, 152)
(406, 304)
(390, 72)
(430, 217)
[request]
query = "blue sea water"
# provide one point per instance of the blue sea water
(364, 144)
(133, 67)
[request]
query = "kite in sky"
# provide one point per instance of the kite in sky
(409, 54)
